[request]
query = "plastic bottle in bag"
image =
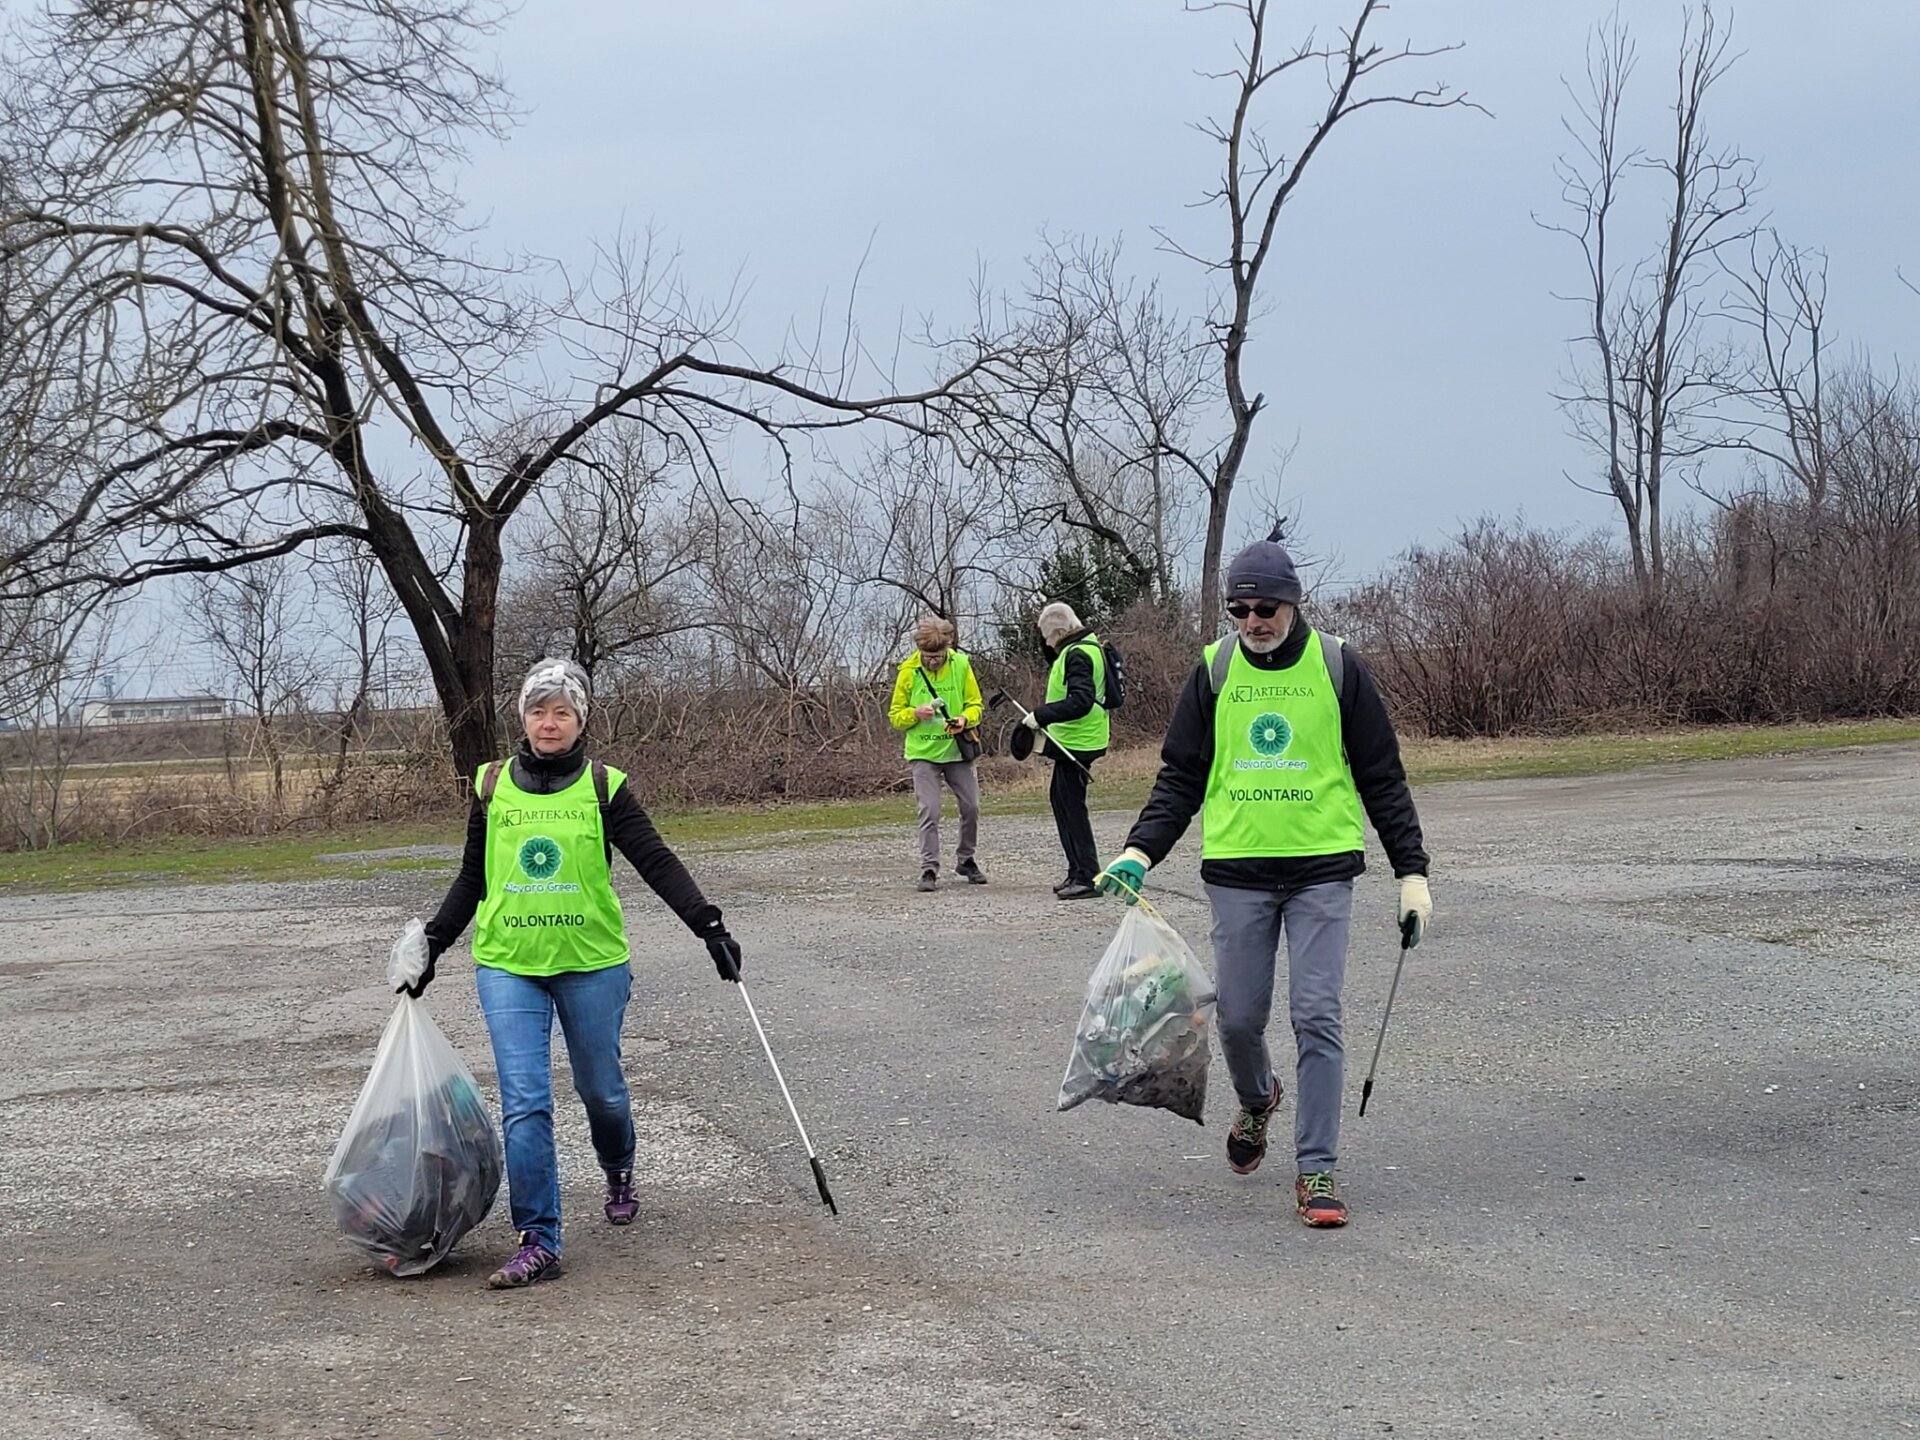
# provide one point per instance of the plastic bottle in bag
(1142, 1037)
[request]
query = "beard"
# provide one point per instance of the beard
(1263, 647)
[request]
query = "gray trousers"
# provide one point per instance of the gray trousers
(1246, 942)
(965, 784)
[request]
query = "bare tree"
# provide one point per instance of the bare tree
(243, 243)
(246, 618)
(351, 580)
(1646, 401)
(51, 656)
(1257, 183)
(1780, 296)
(607, 572)
(929, 532)
(1102, 435)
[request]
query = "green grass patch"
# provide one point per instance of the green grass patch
(194, 860)
(1123, 785)
(1433, 762)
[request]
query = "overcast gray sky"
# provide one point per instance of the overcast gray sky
(1412, 344)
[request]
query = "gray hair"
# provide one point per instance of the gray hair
(551, 678)
(1057, 621)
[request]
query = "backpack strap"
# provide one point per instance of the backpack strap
(1223, 654)
(1334, 650)
(490, 781)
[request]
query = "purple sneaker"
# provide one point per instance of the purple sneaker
(530, 1264)
(621, 1205)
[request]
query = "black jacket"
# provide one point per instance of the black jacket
(1373, 755)
(628, 830)
(1080, 697)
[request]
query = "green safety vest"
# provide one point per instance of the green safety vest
(928, 739)
(1280, 785)
(1094, 729)
(549, 906)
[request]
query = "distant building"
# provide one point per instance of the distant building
(148, 712)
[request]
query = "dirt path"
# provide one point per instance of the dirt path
(1641, 1162)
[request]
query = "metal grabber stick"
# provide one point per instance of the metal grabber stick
(1001, 697)
(819, 1175)
(1406, 944)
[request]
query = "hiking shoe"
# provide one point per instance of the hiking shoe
(929, 880)
(1066, 884)
(1078, 890)
(969, 870)
(1318, 1202)
(1247, 1140)
(621, 1204)
(530, 1264)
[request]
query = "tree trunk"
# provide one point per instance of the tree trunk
(1220, 497)
(467, 694)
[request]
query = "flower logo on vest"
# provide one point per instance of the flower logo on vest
(540, 858)
(1270, 734)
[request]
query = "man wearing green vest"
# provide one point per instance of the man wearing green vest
(936, 699)
(1280, 741)
(1074, 720)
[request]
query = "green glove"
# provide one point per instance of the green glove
(1124, 877)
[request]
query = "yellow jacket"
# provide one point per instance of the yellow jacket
(954, 683)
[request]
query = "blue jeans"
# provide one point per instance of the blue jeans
(592, 1005)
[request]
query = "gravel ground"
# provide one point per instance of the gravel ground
(1641, 1161)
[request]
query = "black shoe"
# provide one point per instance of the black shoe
(1078, 890)
(929, 880)
(1247, 1140)
(969, 871)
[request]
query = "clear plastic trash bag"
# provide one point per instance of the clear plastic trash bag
(1142, 1038)
(418, 1165)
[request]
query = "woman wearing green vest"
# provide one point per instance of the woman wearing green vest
(935, 697)
(551, 943)
(1075, 719)
(1279, 742)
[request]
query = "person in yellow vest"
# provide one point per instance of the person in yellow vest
(935, 699)
(1075, 723)
(551, 943)
(1280, 741)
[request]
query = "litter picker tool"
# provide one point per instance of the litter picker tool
(1406, 944)
(819, 1175)
(1001, 697)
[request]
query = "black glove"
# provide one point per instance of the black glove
(419, 987)
(725, 951)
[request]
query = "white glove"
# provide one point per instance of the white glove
(407, 960)
(1416, 902)
(1030, 720)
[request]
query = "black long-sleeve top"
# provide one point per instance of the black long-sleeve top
(628, 830)
(1373, 755)
(1081, 696)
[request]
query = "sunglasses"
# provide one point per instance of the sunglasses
(1265, 609)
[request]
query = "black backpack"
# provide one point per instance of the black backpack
(1116, 676)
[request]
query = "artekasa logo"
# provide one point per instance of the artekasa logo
(1269, 735)
(540, 859)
